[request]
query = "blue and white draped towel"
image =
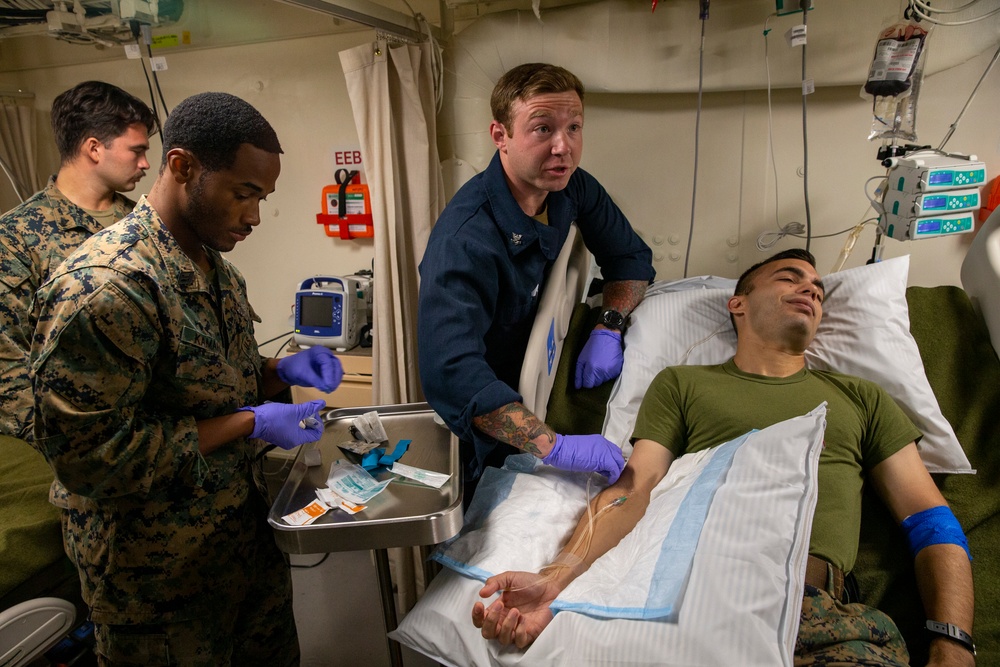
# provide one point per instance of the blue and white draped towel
(737, 510)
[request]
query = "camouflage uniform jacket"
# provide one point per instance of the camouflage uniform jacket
(133, 345)
(35, 238)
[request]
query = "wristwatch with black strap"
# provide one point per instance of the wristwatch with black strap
(952, 632)
(612, 319)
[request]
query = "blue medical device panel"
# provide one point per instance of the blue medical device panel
(929, 227)
(941, 177)
(950, 200)
(319, 313)
(935, 203)
(956, 177)
(944, 225)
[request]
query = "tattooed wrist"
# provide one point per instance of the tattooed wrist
(623, 295)
(515, 425)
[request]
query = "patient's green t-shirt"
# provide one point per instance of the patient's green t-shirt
(690, 408)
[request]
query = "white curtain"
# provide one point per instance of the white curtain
(392, 96)
(17, 143)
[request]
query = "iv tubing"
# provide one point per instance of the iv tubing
(572, 559)
(848, 247)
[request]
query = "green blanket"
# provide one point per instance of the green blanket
(30, 537)
(964, 372)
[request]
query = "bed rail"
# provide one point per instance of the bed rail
(566, 286)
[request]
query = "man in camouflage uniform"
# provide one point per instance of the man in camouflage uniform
(148, 400)
(102, 133)
(776, 308)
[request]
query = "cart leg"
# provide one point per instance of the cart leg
(388, 604)
(431, 567)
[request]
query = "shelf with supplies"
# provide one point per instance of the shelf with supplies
(355, 389)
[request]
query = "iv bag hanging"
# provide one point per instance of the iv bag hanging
(893, 82)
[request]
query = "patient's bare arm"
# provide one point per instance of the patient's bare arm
(943, 571)
(521, 612)
(518, 426)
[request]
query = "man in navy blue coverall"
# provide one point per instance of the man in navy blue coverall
(484, 270)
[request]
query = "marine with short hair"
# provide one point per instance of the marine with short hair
(102, 133)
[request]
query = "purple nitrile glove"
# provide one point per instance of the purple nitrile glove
(587, 453)
(287, 425)
(600, 360)
(315, 366)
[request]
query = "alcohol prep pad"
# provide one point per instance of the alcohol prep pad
(354, 482)
(428, 477)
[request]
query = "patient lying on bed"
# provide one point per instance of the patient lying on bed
(776, 309)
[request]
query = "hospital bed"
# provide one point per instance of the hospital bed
(953, 350)
(39, 587)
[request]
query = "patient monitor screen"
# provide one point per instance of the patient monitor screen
(317, 311)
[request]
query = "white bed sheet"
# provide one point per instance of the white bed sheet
(742, 595)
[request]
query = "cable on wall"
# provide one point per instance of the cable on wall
(703, 15)
(770, 122)
(767, 240)
(148, 35)
(139, 35)
(805, 134)
(923, 11)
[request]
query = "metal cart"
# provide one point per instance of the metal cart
(405, 514)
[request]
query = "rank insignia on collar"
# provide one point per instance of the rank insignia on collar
(516, 238)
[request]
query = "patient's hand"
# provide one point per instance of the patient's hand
(521, 612)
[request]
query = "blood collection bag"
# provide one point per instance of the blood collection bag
(894, 78)
(894, 65)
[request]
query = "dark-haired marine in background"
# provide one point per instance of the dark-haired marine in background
(102, 133)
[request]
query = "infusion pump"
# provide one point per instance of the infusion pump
(930, 195)
(331, 311)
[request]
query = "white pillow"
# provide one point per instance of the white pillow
(865, 332)
(725, 553)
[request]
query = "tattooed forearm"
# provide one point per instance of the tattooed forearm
(623, 295)
(517, 426)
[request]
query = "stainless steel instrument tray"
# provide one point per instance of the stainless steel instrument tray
(406, 513)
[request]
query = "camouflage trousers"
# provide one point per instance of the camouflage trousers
(256, 628)
(834, 634)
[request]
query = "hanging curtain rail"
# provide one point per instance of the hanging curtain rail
(370, 14)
